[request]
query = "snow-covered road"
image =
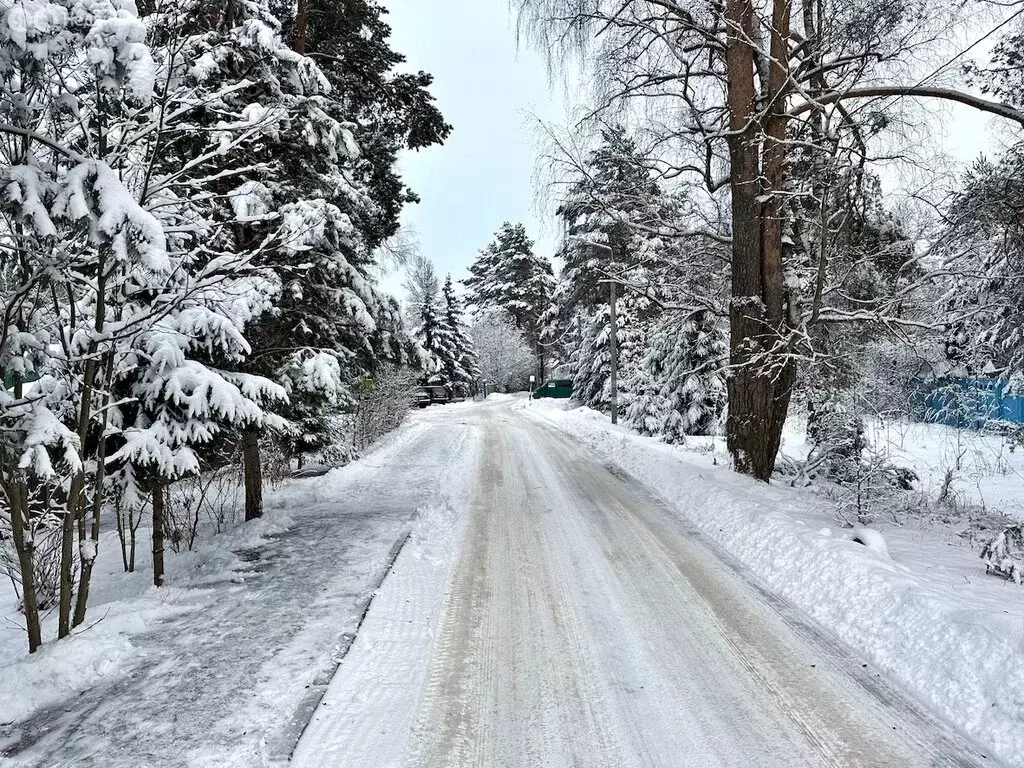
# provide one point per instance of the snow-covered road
(554, 613)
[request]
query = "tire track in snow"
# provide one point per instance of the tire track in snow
(368, 701)
(581, 624)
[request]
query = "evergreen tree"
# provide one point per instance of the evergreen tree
(297, 199)
(387, 110)
(602, 206)
(609, 213)
(435, 345)
(680, 387)
(462, 367)
(590, 359)
(509, 276)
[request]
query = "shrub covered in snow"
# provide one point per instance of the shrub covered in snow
(1004, 555)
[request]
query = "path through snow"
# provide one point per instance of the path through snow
(213, 687)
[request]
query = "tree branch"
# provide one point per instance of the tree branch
(916, 91)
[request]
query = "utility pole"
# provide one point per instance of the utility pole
(613, 344)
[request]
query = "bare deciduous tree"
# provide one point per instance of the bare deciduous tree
(734, 93)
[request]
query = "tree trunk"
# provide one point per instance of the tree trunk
(85, 575)
(253, 473)
(24, 545)
(158, 532)
(762, 374)
(301, 27)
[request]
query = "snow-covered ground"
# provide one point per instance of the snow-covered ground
(553, 612)
(927, 615)
(983, 469)
(560, 601)
(207, 672)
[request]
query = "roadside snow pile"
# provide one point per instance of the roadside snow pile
(102, 648)
(966, 661)
(99, 650)
(871, 539)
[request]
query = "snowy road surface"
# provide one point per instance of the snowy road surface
(558, 615)
(214, 686)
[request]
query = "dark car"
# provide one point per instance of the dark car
(431, 394)
(554, 388)
(439, 395)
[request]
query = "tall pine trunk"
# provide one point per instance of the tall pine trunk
(300, 35)
(762, 374)
(159, 500)
(253, 473)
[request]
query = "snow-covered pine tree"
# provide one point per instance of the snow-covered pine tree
(509, 276)
(590, 359)
(615, 192)
(680, 388)
(387, 110)
(435, 344)
(462, 368)
(291, 197)
(609, 214)
(984, 254)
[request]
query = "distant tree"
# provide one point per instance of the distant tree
(611, 213)
(421, 285)
(435, 344)
(508, 275)
(462, 368)
(504, 356)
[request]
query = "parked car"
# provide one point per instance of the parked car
(439, 394)
(554, 388)
(431, 394)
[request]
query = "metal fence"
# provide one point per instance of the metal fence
(968, 403)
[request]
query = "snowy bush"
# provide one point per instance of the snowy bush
(1004, 554)
(383, 404)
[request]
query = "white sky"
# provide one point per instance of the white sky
(491, 91)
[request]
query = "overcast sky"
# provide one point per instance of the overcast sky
(488, 90)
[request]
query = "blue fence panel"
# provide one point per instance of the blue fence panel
(968, 403)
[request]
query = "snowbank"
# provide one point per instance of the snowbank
(102, 648)
(99, 650)
(966, 661)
